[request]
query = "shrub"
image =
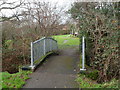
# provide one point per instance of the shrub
(93, 74)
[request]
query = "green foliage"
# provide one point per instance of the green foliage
(9, 44)
(16, 80)
(100, 27)
(86, 83)
(93, 74)
(112, 84)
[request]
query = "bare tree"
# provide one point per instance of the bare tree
(46, 17)
(5, 5)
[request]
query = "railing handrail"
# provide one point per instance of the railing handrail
(43, 39)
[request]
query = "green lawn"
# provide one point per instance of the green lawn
(66, 40)
(16, 80)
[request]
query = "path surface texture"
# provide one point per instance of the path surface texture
(58, 71)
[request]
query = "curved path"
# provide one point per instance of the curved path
(58, 71)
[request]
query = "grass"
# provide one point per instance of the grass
(88, 83)
(16, 80)
(0, 81)
(66, 41)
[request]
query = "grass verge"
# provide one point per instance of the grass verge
(85, 82)
(16, 80)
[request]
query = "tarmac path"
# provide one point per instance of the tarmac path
(58, 71)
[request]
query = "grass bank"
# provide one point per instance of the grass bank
(16, 80)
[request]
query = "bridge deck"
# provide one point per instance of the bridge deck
(58, 71)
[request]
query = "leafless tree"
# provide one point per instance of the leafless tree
(46, 17)
(5, 5)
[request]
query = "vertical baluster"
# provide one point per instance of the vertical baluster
(44, 47)
(32, 56)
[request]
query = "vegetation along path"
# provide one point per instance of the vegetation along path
(58, 71)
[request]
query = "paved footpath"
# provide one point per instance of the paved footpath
(58, 71)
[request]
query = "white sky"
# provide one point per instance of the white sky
(62, 3)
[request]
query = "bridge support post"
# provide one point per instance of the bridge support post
(83, 54)
(44, 47)
(32, 60)
(50, 45)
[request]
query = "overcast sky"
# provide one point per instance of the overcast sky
(60, 3)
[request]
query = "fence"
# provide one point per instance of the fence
(41, 47)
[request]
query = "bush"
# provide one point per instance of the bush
(100, 27)
(85, 82)
(93, 75)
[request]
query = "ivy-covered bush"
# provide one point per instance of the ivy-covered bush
(98, 22)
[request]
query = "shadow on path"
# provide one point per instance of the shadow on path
(58, 71)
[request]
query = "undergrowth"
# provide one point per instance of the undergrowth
(85, 82)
